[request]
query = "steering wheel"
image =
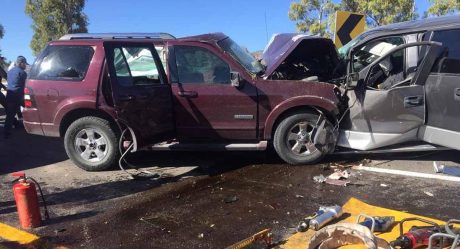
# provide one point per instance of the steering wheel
(374, 75)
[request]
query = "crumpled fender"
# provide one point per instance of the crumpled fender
(341, 234)
(305, 100)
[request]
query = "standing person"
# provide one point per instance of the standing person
(15, 92)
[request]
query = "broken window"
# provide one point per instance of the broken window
(389, 71)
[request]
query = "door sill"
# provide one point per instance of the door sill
(409, 148)
(176, 146)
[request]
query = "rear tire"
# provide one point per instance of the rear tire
(91, 143)
(293, 142)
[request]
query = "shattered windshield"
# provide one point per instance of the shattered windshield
(241, 55)
(343, 51)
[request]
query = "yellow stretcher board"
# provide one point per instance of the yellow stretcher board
(355, 207)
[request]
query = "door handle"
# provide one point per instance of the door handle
(412, 101)
(126, 97)
(457, 91)
(188, 94)
(457, 94)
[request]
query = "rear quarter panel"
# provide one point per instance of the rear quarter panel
(55, 98)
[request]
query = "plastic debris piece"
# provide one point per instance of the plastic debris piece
(337, 182)
(319, 179)
(428, 193)
(231, 199)
(339, 174)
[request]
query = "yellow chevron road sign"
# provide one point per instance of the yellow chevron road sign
(348, 25)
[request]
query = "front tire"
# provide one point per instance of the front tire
(293, 139)
(91, 143)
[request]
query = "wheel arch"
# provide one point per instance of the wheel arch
(75, 114)
(308, 104)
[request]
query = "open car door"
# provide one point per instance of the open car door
(387, 112)
(141, 94)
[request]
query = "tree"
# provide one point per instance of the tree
(2, 31)
(382, 12)
(311, 15)
(315, 15)
(442, 7)
(53, 19)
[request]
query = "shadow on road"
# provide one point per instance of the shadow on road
(23, 151)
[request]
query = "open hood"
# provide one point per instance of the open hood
(300, 56)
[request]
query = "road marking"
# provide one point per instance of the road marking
(408, 173)
(16, 235)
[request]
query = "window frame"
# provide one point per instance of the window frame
(33, 75)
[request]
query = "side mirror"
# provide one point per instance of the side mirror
(235, 79)
(352, 81)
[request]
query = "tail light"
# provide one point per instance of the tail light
(28, 98)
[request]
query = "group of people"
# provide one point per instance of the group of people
(16, 78)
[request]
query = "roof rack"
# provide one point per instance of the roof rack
(78, 36)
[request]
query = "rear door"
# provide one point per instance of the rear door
(443, 92)
(141, 94)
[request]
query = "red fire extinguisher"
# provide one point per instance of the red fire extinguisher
(25, 195)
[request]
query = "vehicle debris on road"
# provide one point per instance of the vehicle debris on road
(337, 178)
(428, 193)
(319, 179)
(231, 199)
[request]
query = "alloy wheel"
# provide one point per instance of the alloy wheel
(91, 145)
(299, 139)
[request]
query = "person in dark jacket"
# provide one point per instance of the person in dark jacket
(15, 92)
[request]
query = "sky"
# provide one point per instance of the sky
(249, 22)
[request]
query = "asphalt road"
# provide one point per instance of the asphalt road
(205, 199)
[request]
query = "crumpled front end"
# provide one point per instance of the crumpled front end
(302, 57)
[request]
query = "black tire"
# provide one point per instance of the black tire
(95, 152)
(285, 147)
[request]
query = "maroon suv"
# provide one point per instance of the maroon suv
(200, 92)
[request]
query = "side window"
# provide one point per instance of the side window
(373, 50)
(135, 66)
(198, 65)
(63, 63)
(449, 59)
